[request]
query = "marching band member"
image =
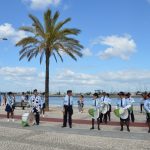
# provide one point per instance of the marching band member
(10, 105)
(109, 103)
(96, 104)
(147, 109)
(68, 109)
(35, 102)
(125, 104)
(144, 97)
(131, 100)
(106, 100)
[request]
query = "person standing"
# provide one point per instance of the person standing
(23, 98)
(9, 106)
(131, 101)
(26, 97)
(4, 99)
(96, 104)
(147, 109)
(109, 109)
(35, 102)
(67, 109)
(144, 97)
(43, 104)
(125, 104)
(81, 103)
(105, 100)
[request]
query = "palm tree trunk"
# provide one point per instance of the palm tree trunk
(47, 80)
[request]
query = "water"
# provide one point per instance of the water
(58, 101)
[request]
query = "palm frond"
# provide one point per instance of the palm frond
(38, 26)
(27, 40)
(71, 55)
(56, 16)
(59, 55)
(55, 57)
(41, 57)
(47, 20)
(24, 49)
(60, 24)
(27, 29)
(69, 31)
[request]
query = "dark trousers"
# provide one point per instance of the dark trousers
(109, 113)
(148, 121)
(68, 111)
(141, 107)
(124, 121)
(103, 117)
(98, 123)
(131, 116)
(37, 116)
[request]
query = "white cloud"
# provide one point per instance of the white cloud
(118, 80)
(118, 46)
(41, 4)
(8, 31)
(87, 52)
(23, 79)
(20, 78)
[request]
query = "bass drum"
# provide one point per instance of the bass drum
(121, 113)
(124, 114)
(93, 113)
(105, 108)
(28, 119)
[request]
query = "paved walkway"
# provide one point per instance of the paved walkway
(50, 136)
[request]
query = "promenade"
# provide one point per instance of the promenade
(50, 136)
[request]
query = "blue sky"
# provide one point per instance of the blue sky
(116, 39)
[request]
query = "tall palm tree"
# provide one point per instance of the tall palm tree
(49, 39)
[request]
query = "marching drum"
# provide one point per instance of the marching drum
(121, 113)
(94, 113)
(28, 119)
(104, 108)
